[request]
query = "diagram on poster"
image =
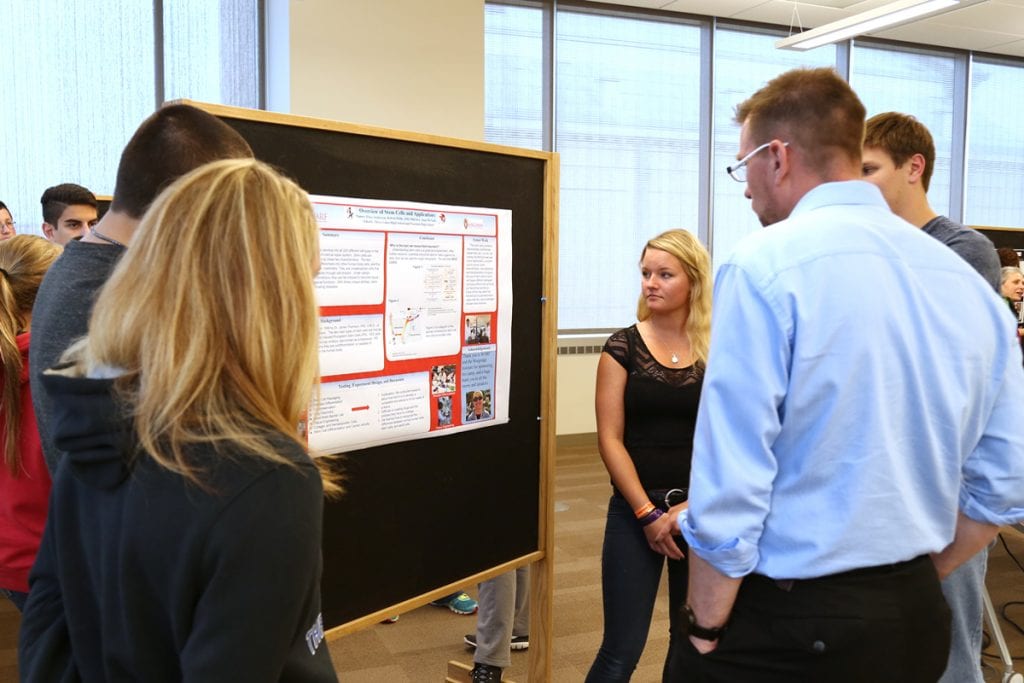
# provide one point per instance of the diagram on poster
(415, 321)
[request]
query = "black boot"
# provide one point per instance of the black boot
(485, 673)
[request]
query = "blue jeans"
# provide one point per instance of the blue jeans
(17, 597)
(963, 591)
(630, 574)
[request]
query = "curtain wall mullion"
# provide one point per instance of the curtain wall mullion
(958, 157)
(159, 91)
(706, 182)
(549, 138)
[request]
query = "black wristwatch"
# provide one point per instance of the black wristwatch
(697, 631)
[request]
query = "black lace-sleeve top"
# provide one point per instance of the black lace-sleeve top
(661, 411)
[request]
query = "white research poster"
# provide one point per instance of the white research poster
(415, 321)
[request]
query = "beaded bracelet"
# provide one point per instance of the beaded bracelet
(644, 510)
(651, 517)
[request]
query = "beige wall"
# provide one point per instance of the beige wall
(406, 64)
(575, 400)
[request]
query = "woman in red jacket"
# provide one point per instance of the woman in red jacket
(24, 479)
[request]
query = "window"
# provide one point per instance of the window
(69, 108)
(915, 83)
(514, 72)
(211, 51)
(627, 121)
(83, 78)
(627, 125)
(995, 154)
(744, 62)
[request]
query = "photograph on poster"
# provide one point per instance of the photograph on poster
(442, 379)
(478, 405)
(478, 329)
(415, 320)
(444, 411)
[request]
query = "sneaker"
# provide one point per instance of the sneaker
(460, 603)
(485, 673)
(518, 642)
(389, 620)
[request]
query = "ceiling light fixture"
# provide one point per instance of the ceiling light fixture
(887, 16)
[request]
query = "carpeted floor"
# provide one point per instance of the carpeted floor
(418, 647)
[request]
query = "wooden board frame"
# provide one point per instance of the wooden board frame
(545, 336)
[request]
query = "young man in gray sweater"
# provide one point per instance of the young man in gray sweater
(171, 142)
(899, 157)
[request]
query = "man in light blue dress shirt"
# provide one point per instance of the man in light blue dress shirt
(859, 373)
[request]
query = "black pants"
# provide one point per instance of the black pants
(875, 625)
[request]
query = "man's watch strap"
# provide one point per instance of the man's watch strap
(697, 631)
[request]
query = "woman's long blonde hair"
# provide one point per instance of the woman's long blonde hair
(211, 315)
(696, 263)
(24, 260)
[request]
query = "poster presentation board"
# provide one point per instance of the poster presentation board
(424, 515)
(416, 314)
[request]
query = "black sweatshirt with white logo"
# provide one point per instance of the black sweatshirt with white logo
(144, 576)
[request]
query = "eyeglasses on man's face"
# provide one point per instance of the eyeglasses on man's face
(739, 171)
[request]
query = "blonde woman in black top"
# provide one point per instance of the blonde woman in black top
(648, 388)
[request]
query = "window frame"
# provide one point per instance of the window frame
(709, 25)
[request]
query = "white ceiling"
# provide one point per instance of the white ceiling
(995, 26)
